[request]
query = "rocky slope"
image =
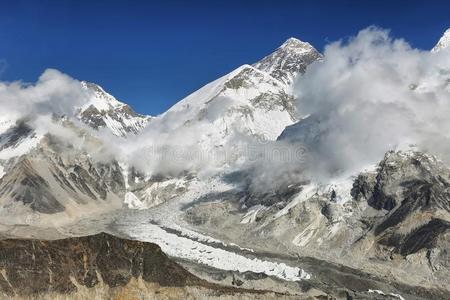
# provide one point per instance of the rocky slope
(57, 177)
(102, 267)
(392, 222)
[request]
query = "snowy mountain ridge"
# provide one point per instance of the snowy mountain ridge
(443, 43)
(245, 99)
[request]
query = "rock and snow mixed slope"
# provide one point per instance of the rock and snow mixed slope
(18, 137)
(289, 60)
(103, 110)
(39, 169)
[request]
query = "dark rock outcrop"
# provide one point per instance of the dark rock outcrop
(413, 190)
(32, 267)
(101, 266)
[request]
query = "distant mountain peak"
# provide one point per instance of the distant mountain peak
(443, 43)
(101, 99)
(103, 110)
(289, 60)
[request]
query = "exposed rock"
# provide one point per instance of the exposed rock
(101, 265)
(55, 175)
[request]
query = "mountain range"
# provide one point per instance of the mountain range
(381, 233)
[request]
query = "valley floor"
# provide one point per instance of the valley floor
(231, 265)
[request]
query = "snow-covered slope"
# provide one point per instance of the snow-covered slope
(443, 42)
(246, 100)
(17, 140)
(103, 110)
(251, 100)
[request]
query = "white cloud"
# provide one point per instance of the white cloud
(371, 94)
(53, 93)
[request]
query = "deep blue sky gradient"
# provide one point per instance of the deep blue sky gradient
(151, 54)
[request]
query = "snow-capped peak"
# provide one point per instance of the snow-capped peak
(443, 43)
(297, 46)
(103, 110)
(100, 98)
(289, 60)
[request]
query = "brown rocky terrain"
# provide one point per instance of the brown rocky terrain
(103, 267)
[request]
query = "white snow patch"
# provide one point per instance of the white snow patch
(370, 291)
(307, 192)
(100, 99)
(342, 186)
(152, 195)
(124, 167)
(22, 148)
(193, 235)
(185, 248)
(133, 202)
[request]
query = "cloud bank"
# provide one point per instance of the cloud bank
(53, 93)
(371, 94)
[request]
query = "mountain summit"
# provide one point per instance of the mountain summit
(289, 60)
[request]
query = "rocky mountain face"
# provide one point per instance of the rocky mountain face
(33, 268)
(42, 173)
(289, 60)
(54, 177)
(413, 191)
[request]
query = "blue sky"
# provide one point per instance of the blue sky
(151, 54)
